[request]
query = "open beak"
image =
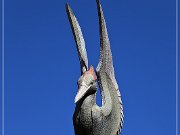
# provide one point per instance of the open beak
(81, 92)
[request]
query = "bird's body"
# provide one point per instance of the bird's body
(89, 118)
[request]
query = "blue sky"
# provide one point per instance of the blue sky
(42, 67)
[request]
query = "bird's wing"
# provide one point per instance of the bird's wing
(105, 65)
(80, 43)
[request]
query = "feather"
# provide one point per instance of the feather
(105, 65)
(78, 36)
(105, 62)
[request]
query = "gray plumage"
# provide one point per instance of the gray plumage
(89, 118)
(78, 36)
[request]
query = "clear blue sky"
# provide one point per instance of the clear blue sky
(42, 67)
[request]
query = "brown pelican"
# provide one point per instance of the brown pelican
(89, 118)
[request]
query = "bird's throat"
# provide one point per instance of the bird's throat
(88, 101)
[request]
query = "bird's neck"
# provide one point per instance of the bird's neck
(88, 101)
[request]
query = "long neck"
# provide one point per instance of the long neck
(90, 98)
(88, 101)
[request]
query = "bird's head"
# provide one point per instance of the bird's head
(86, 84)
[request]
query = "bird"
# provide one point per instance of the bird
(90, 118)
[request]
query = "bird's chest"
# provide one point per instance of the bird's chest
(84, 116)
